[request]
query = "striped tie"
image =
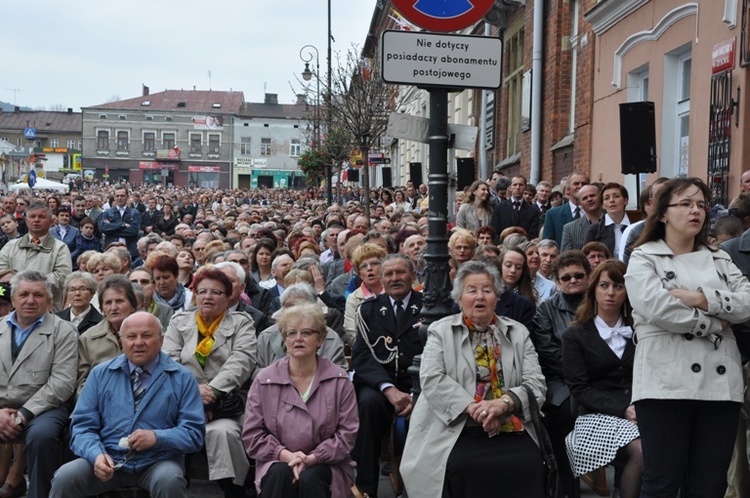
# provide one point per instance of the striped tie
(138, 389)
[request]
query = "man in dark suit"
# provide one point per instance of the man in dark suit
(150, 217)
(121, 223)
(574, 233)
(516, 212)
(558, 217)
(387, 341)
(138, 203)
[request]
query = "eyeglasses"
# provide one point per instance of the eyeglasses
(73, 290)
(143, 281)
(688, 205)
(577, 276)
(122, 462)
(292, 334)
(242, 261)
(213, 292)
(367, 266)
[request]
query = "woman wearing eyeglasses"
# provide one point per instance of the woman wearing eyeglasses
(687, 377)
(366, 264)
(301, 416)
(219, 347)
(553, 316)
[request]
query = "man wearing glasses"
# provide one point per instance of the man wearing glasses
(150, 398)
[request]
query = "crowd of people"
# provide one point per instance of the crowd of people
(273, 331)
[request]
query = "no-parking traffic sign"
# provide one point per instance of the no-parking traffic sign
(443, 15)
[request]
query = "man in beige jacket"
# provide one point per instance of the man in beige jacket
(39, 250)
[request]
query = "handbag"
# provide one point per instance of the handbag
(552, 486)
(228, 406)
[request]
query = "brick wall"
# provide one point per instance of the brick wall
(556, 92)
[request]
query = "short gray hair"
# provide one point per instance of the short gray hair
(547, 244)
(234, 266)
(86, 278)
(476, 267)
(30, 276)
(301, 290)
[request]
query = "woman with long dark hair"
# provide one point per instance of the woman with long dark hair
(597, 360)
(688, 378)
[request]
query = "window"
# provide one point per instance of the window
(122, 140)
(54, 142)
(675, 125)
(265, 146)
(213, 144)
(195, 143)
(102, 140)
(514, 84)
(245, 146)
(295, 149)
(168, 140)
(149, 141)
(683, 114)
(71, 144)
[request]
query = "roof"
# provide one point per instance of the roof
(280, 111)
(43, 121)
(208, 101)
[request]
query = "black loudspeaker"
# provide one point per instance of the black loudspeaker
(353, 175)
(465, 172)
(387, 176)
(415, 174)
(637, 138)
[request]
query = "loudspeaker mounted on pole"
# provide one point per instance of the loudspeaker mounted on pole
(637, 138)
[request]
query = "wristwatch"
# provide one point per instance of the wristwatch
(506, 399)
(17, 418)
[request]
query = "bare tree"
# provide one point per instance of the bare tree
(359, 103)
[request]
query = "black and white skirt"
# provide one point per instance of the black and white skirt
(596, 439)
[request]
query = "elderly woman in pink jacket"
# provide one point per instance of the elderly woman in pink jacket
(301, 416)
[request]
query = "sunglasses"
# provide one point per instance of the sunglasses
(568, 278)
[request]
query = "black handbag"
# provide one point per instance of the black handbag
(230, 405)
(552, 486)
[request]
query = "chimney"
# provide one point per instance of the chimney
(301, 99)
(70, 110)
(272, 98)
(145, 90)
(17, 110)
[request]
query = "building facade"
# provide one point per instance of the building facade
(175, 137)
(51, 141)
(268, 139)
(691, 60)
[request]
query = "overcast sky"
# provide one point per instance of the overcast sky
(85, 52)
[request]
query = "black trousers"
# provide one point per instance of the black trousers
(559, 421)
(510, 460)
(686, 443)
(314, 482)
(375, 417)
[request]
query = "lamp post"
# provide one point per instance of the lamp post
(307, 76)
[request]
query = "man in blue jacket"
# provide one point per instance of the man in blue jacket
(137, 417)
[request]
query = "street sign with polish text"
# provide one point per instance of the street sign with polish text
(430, 59)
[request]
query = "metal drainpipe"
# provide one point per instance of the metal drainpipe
(536, 92)
(484, 168)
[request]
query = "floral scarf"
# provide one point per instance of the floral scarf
(204, 347)
(178, 300)
(490, 381)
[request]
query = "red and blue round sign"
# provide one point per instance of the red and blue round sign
(443, 15)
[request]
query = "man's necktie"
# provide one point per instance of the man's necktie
(577, 213)
(36, 241)
(399, 312)
(138, 389)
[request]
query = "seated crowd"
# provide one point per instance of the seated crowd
(274, 332)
